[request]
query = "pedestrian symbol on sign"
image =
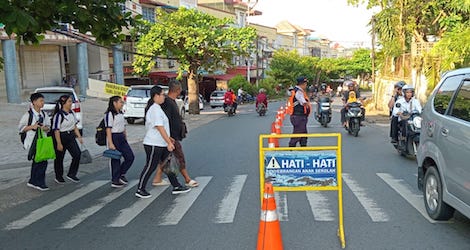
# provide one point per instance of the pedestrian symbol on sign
(273, 164)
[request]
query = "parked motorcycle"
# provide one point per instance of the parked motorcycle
(230, 109)
(261, 109)
(353, 118)
(323, 114)
(408, 136)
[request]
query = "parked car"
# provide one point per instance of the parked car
(136, 99)
(52, 94)
(444, 171)
(217, 98)
(186, 103)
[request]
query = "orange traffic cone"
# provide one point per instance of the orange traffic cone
(269, 234)
(273, 142)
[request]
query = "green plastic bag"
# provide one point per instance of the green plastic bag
(44, 147)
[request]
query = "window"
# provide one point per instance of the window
(126, 55)
(148, 14)
(461, 105)
(445, 93)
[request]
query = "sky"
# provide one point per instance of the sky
(333, 19)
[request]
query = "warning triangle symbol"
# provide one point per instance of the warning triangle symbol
(273, 164)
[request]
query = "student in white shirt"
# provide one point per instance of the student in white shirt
(157, 143)
(32, 120)
(66, 133)
(116, 138)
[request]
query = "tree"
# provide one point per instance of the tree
(197, 41)
(286, 66)
(29, 19)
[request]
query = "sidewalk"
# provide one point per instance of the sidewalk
(14, 167)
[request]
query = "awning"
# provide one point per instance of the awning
(167, 74)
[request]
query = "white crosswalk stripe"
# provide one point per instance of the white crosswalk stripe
(321, 209)
(415, 200)
(182, 203)
(126, 215)
(229, 204)
(87, 212)
(375, 212)
(54, 206)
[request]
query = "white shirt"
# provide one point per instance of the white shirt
(64, 122)
(240, 92)
(155, 117)
(299, 96)
(31, 133)
(116, 122)
(411, 106)
(395, 109)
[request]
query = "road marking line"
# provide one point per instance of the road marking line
(54, 206)
(404, 190)
(375, 213)
(228, 205)
(126, 215)
(182, 203)
(87, 212)
(320, 206)
(281, 202)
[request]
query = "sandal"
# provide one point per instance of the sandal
(161, 183)
(192, 183)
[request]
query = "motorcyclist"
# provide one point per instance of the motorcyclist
(230, 99)
(348, 97)
(407, 105)
(397, 95)
(323, 93)
(262, 98)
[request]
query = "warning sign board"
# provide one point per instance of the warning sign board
(115, 89)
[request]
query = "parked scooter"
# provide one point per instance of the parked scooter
(323, 114)
(408, 135)
(261, 109)
(353, 118)
(230, 109)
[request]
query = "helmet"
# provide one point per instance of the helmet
(348, 83)
(408, 87)
(400, 84)
(323, 87)
(261, 90)
(230, 89)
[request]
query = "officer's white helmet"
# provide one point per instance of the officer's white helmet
(408, 87)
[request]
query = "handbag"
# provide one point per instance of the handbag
(184, 130)
(85, 157)
(113, 154)
(44, 147)
(171, 165)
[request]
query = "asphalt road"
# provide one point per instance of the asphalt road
(382, 206)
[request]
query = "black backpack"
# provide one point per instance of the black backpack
(100, 136)
(30, 120)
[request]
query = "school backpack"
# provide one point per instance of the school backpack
(30, 120)
(100, 136)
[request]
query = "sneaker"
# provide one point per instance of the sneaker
(180, 190)
(162, 183)
(31, 185)
(142, 194)
(123, 179)
(60, 180)
(73, 179)
(117, 184)
(42, 188)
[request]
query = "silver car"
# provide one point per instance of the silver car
(444, 153)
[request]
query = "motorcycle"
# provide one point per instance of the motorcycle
(408, 136)
(323, 114)
(230, 109)
(353, 118)
(261, 109)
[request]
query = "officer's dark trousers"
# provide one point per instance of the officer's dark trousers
(119, 168)
(70, 144)
(394, 127)
(299, 122)
(38, 173)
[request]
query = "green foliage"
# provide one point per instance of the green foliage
(269, 84)
(28, 19)
(194, 39)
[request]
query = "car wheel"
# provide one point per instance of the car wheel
(436, 208)
(130, 120)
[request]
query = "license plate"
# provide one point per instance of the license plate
(139, 105)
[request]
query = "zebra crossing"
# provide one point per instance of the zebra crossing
(323, 206)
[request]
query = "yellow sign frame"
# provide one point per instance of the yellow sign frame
(338, 188)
